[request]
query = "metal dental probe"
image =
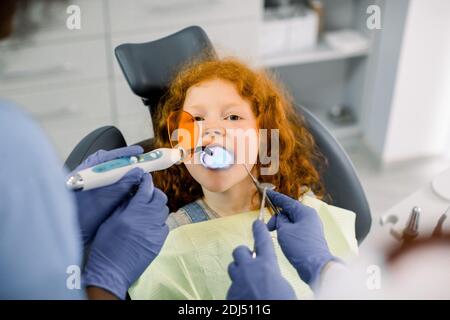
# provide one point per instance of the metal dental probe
(261, 214)
(260, 187)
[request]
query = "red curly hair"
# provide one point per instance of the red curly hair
(299, 159)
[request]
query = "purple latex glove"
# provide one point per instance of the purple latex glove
(300, 235)
(258, 278)
(128, 241)
(95, 205)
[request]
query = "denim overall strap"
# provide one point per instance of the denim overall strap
(195, 212)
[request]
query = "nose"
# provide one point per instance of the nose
(213, 130)
(213, 135)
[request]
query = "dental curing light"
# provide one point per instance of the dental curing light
(109, 172)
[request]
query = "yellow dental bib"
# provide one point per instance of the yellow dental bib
(194, 260)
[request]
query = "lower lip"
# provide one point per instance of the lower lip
(220, 169)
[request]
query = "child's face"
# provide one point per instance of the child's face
(223, 116)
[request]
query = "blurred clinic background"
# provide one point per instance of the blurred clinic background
(377, 73)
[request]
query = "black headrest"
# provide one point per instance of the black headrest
(106, 138)
(150, 66)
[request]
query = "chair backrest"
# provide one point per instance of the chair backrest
(148, 68)
(341, 181)
(106, 138)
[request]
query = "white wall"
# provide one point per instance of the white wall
(70, 81)
(419, 122)
(381, 74)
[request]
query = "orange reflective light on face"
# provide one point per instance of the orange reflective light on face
(183, 130)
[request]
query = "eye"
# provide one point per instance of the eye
(198, 118)
(233, 117)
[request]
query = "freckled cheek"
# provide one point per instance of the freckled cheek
(245, 146)
(197, 171)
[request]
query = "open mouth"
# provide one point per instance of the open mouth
(216, 157)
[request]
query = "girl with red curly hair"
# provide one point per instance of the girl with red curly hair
(225, 96)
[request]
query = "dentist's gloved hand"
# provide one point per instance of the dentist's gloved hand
(258, 278)
(128, 241)
(95, 205)
(300, 235)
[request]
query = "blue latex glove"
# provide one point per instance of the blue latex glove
(95, 205)
(258, 278)
(128, 241)
(300, 235)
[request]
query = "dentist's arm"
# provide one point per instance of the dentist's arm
(258, 278)
(98, 212)
(300, 235)
(127, 242)
(96, 205)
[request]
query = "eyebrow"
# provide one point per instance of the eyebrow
(231, 104)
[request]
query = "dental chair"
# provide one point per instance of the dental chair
(148, 68)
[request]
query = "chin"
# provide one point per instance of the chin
(217, 188)
(217, 180)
